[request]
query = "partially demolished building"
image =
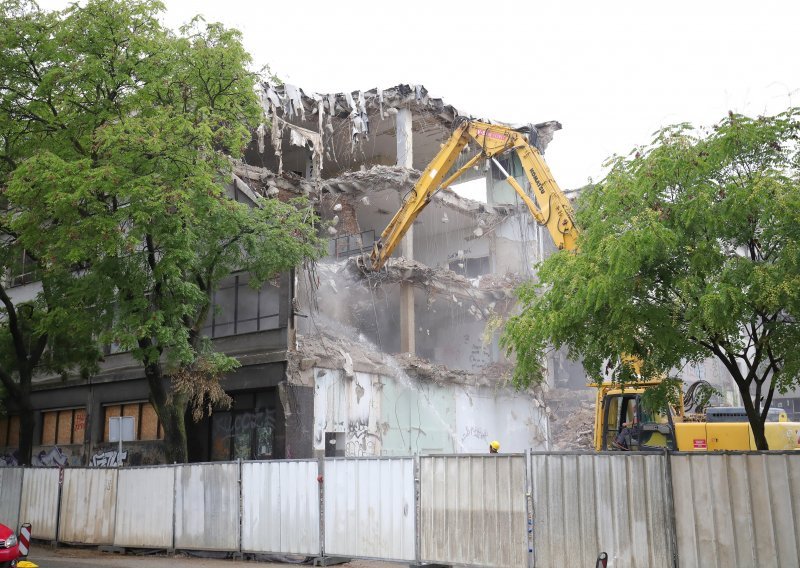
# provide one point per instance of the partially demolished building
(406, 359)
(336, 361)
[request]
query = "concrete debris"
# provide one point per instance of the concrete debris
(348, 364)
(375, 179)
(329, 349)
(572, 418)
(345, 121)
(261, 180)
(484, 290)
(575, 431)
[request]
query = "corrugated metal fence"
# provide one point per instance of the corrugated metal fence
(584, 504)
(551, 510)
(11, 491)
(145, 507)
(40, 498)
(737, 510)
(370, 508)
(280, 507)
(473, 510)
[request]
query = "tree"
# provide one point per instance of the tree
(689, 249)
(118, 138)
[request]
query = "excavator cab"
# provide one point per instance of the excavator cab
(628, 426)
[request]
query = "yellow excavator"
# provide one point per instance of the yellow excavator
(621, 421)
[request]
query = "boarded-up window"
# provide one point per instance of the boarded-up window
(62, 427)
(146, 424)
(9, 431)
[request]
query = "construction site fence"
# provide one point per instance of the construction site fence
(541, 509)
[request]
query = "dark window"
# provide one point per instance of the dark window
(470, 267)
(345, 246)
(238, 308)
(247, 431)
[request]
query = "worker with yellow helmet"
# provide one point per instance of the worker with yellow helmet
(494, 447)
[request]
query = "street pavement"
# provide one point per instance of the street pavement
(70, 557)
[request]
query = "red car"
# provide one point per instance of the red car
(9, 549)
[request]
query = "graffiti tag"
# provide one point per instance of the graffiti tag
(54, 458)
(360, 441)
(474, 432)
(110, 458)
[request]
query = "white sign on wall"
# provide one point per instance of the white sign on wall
(124, 424)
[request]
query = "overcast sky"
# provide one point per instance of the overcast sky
(611, 72)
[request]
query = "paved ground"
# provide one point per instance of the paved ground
(70, 557)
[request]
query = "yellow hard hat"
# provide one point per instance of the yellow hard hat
(494, 444)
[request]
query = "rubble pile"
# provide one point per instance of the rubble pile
(572, 421)
(575, 432)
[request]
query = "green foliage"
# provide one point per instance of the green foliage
(689, 249)
(117, 138)
(666, 394)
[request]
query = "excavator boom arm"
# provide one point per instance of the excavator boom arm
(552, 209)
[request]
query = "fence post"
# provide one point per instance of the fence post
(417, 511)
(19, 501)
(239, 508)
(670, 512)
(529, 508)
(321, 486)
(58, 505)
(174, 505)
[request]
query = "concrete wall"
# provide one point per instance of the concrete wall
(374, 415)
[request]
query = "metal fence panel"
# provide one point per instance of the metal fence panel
(145, 507)
(473, 510)
(280, 507)
(207, 507)
(737, 509)
(88, 506)
(39, 503)
(370, 508)
(10, 493)
(584, 504)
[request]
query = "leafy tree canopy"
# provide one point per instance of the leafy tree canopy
(690, 248)
(118, 136)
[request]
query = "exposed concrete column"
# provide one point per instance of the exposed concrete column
(405, 159)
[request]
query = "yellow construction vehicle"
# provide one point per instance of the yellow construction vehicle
(619, 410)
(622, 423)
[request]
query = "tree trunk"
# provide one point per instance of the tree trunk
(173, 419)
(22, 397)
(753, 416)
(25, 445)
(171, 411)
(758, 434)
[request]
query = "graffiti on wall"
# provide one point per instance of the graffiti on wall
(9, 460)
(55, 457)
(474, 432)
(360, 441)
(109, 458)
(249, 434)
